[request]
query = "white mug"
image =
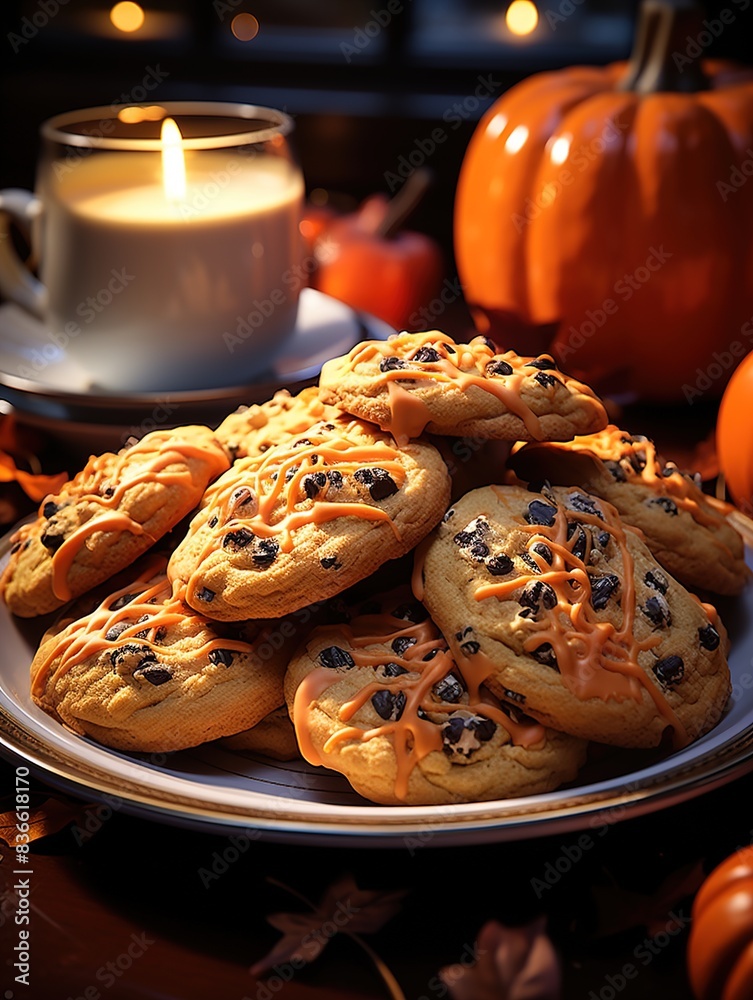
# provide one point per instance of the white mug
(147, 287)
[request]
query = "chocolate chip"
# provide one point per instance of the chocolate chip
(472, 533)
(545, 654)
(265, 552)
(389, 705)
(335, 478)
(500, 565)
(330, 562)
(499, 368)
(584, 504)
(657, 580)
(50, 509)
(313, 484)
(410, 612)
(52, 541)
(580, 545)
(116, 630)
(708, 637)
(402, 643)
(15, 547)
(393, 670)
(120, 602)
(241, 497)
(543, 364)
(470, 648)
(602, 590)
(221, 656)
(466, 631)
(426, 354)
(670, 670)
(543, 550)
(391, 364)
(205, 594)
(457, 727)
(540, 513)
(155, 674)
(603, 538)
(430, 655)
(302, 442)
(450, 349)
(667, 505)
(237, 540)
(547, 380)
(515, 696)
(487, 342)
(536, 594)
(334, 657)
(213, 522)
(449, 689)
(657, 611)
(290, 473)
(483, 728)
(616, 471)
(530, 562)
(129, 651)
(384, 485)
(479, 551)
(448, 515)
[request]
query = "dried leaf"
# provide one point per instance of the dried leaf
(512, 963)
(621, 909)
(37, 487)
(45, 819)
(344, 909)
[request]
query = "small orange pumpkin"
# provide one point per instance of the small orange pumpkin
(720, 948)
(612, 207)
(734, 435)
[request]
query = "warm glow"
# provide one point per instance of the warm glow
(560, 148)
(127, 16)
(173, 161)
(134, 115)
(244, 27)
(522, 17)
(516, 139)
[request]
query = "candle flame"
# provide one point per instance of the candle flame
(173, 161)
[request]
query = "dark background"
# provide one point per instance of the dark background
(358, 109)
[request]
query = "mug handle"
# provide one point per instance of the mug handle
(17, 283)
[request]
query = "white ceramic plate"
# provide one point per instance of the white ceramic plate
(214, 789)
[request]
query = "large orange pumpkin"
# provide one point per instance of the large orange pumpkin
(734, 435)
(720, 948)
(612, 207)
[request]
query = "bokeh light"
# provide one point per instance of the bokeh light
(244, 27)
(127, 16)
(522, 17)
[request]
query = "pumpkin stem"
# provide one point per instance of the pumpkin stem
(660, 60)
(405, 201)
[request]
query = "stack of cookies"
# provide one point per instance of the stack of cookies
(546, 607)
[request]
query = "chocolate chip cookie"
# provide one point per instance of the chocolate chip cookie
(561, 608)
(426, 381)
(383, 701)
(109, 514)
(307, 519)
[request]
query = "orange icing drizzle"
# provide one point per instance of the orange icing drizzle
(413, 737)
(277, 494)
(119, 478)
(159, 600)
(464, 368)
(595, 658)
(613, 444)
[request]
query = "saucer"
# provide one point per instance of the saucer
(61, 400)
